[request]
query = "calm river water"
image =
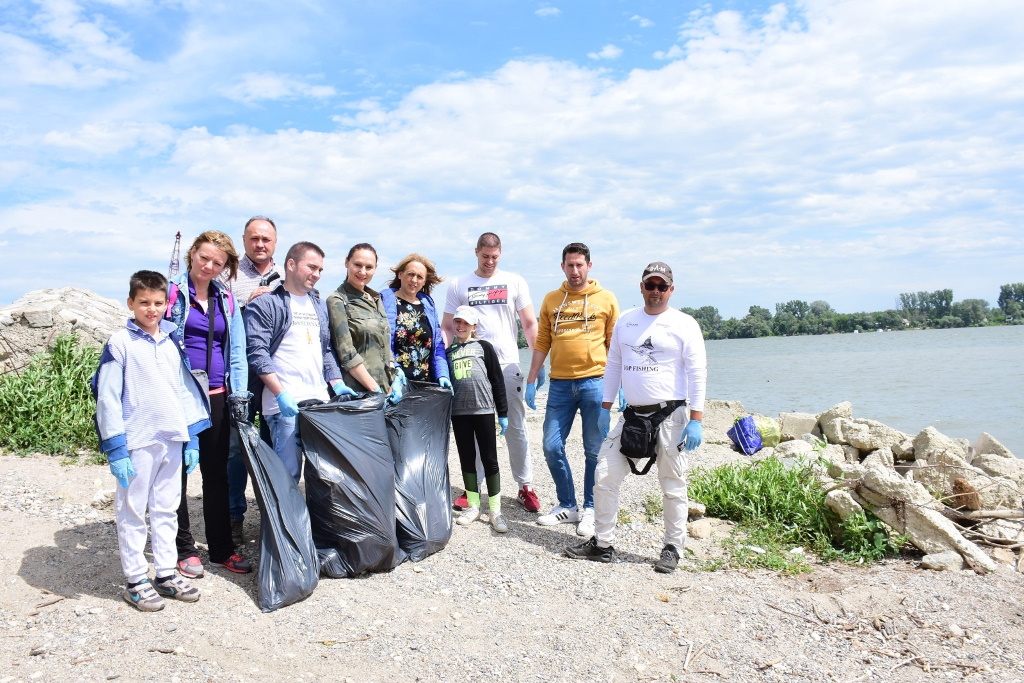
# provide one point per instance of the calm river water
(963, 381)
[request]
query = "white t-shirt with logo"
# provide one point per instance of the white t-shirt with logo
(299, 360)
(497, 301)
(656, 358)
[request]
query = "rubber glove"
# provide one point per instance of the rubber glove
(191, 459)
(604, 421)
(398, 387)
(445, 383)
(342, 389)
(542, 377)
(503, 423)
(693, 435)
(531, 395)
(121, 466)
(287, 404)
(622, 400)
(238, 406)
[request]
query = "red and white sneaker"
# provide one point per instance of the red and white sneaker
(529, 499)
(461, 503)
(236, 563)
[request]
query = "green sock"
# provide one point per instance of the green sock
(494, 503)
(474, 498)
(472, 492)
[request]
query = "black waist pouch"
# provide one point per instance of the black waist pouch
(639, 438)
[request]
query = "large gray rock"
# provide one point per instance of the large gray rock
(844, 409)
(930, 440)
(946, 561)
(719, 417)
(870, 435)
(794, 449)
(1000, 466)
(29, 325)
(842, 503)
(795, 425)
(881, 457)
(988, 445)
(907, 507)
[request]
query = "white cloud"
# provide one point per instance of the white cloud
(607, 52)
(111, 137)
(643, 22)
(548, 11)
(254, 87)
(674, 52)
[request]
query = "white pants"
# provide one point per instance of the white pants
(673, 465)
(517, 439)
(156, 486)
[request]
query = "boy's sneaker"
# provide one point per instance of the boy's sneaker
(461, 503)
(237, 531)
(528, 498)
(498, 523)
(191, 567)
(176, 588)
(669, 560)
(590, 551)
(559, 515)
(586, 526)
(470, 515)
(142, 597)
(236, 563)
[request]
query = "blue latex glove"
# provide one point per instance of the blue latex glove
(542, 377)
(503, 423)
(531, 395)
(622, 400)
(398, 387)
(604, 421)
(122, 468)
(191, 459)
(693, 435)
(445, 383)
(342, 389)
(287, 404)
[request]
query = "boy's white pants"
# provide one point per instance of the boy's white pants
(156, 486)
(673, 465)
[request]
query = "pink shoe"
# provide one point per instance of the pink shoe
(529, 499)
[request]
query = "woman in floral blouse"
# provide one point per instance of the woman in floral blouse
(416, 341)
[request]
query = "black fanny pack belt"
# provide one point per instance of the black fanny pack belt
(639, 437)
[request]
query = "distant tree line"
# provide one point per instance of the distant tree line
(914, 310)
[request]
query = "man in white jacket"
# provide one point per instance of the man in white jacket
(657, 354)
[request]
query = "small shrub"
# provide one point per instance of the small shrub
(47, 407)
(652, 505)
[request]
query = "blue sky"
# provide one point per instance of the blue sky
(823, 149)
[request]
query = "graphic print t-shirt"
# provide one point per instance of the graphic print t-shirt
(299, 359)
(497, 301)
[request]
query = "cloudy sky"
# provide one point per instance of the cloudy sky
(821, 149)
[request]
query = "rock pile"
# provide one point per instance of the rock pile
(948, 496)
(30, 324)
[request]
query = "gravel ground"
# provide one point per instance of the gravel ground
(502, 607)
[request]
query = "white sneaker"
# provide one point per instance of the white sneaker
(586, 526)
(559, 515)
(498, 523)
(470, 515)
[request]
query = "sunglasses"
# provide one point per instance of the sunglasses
(661, 287)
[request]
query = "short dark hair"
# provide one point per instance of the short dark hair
(299, 249)
(362, 245)
(576, 248)
(488, 239)
(259, 218)
(146, 279)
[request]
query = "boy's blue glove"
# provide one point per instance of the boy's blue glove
(122, 468)
(503, 423)
(622, 400)
(542, 377)
(287, 404)
(604, 421)
(398, 387)
(531, 395)
(445, 383)
(693, 435)
(191, 459)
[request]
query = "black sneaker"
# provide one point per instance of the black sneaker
(590, 551)
(237, 535)
(669, 560)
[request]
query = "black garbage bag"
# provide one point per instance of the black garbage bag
(288, 568)
(418, 430)
(350, 486)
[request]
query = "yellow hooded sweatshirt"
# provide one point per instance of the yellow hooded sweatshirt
(575, 328)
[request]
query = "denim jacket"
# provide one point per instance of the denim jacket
(439, 366)
(236, 367)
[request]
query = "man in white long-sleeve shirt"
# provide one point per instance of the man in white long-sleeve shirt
(657, 354)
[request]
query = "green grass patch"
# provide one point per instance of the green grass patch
(47, 407)
(778, 507)
(653, 506)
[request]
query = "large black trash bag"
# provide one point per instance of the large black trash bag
(350, 486)
(418, 430)
(288, 568)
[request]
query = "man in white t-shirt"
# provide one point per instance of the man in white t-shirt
(289, 347)
(499, 299)
(657, 354)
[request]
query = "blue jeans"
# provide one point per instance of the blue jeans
(285, 433)
(566, 397)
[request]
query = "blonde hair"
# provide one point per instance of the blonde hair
(432, 277)
(222, 242)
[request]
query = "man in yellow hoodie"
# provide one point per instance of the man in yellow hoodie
(575, 326)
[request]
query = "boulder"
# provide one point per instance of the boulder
(851, 452)
(795, 425)
(794, 449)
(847, 470)
(833, 430)
(842, 503)
(988, 445)
(941, 473)
(719, 417)
(882, 457)
(870, 435)
(835, 453)
(844, 409)
(930, 440)
(1004, 556)
(946, 561)
(997, 465)
(1005, 529)
(904, 450)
